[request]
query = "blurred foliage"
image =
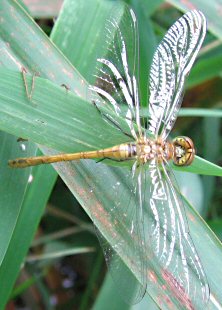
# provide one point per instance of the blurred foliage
(73, 281)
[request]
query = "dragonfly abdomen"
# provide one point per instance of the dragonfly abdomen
(121, 151)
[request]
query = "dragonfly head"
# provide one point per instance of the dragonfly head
(184, 151)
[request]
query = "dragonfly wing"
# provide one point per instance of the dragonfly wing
(117, 68)
(115, 208)
(171, 242)
(123, 219)
(132, 286)
(171, 64)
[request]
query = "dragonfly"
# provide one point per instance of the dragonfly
(152, 214)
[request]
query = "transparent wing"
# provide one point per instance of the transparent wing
(131, 286)
(117, 68)
(125, 252)
(172, 243)
(172, 62)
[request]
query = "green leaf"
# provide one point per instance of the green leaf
(105, 299)
(21, 210)
(216, 226)
(205, 70)
(202, 166)
(198, 112)
(52, 110)
(58, 249)
(25, 285)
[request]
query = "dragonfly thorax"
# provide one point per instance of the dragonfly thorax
(148, 149)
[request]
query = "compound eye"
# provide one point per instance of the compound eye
(184, 151)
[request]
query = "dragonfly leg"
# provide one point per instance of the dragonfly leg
(20, 139)
(112, 121)
(113, 159)
(28, 93)
(67, 88)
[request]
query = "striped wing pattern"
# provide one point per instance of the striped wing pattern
(171, 64)
(116, 74)
(171, 241)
